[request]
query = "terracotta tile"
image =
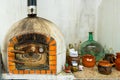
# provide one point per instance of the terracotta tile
(48, 39)
(52, 57)
(10, 54)
(43, 72)
(15, 71)
(32, 71)
(37, 71)
(52, 53)
(48, 71)
(53, 71)
(10, 44)
(21, 72)
(52, 62)
(14, 40)
(53, 42)
(52, 48)
(11, 58)
(52, 67)
(11, 72)
(11, 63)
(12, 68)
(10, 48)
(26, 71)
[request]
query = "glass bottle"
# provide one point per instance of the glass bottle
(67, 55)
(92, 47)
(70, 46)
(67, 68)
(74, 66)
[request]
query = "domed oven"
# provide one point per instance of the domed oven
(33, 45)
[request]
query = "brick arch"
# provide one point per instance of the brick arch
(51, 51)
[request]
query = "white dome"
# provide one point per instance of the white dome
(40, 26)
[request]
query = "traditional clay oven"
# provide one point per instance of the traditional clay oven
(33, 45)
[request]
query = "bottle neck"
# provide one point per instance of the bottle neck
(32, 11)
(90, 36)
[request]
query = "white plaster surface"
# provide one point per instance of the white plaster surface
(109, 24)
(61, 76)
(75, 18)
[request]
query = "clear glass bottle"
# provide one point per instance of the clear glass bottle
(74, 66)
(92, 47)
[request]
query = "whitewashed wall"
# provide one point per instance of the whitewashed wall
(75, 18)
(109, 24)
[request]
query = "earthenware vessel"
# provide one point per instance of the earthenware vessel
(118, 55)
(88, 60)
(104, 67)
(117, 64)
(110, 58)
(117, 61)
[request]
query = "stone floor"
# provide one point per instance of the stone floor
(92, 73)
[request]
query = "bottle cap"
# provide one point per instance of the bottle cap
(90, 32)
(66, 64)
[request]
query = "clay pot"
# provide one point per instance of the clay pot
(117, 61)
(110, 58)
(118, 55)
(104, 67)
(117, 64)
(88, 60)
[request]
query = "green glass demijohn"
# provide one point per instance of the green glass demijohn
(92, 47)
